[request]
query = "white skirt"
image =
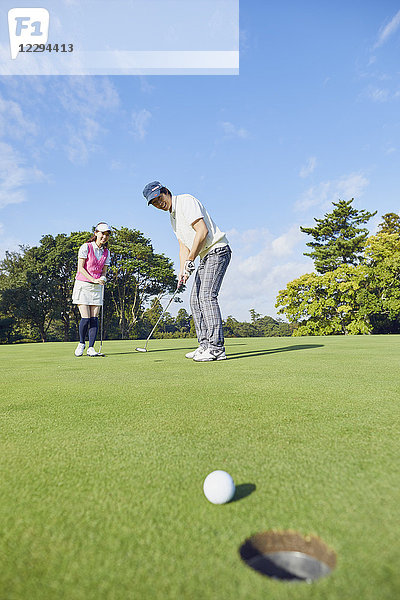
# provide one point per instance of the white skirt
(90, 294)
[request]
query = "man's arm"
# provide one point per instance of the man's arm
(201, 233)
(183, 257)
(189, 255)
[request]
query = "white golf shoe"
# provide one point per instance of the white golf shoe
(210, 354)
(79, 349)
(92, 352)
(194, 353)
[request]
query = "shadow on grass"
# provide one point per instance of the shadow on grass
(247, 354)
(163, 349)
(147, 351)
(251, 353)
(243, 490)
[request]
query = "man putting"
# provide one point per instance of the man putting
(198, 235)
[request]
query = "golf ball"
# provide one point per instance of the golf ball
(219, 487)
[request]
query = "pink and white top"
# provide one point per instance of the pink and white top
(93, 264)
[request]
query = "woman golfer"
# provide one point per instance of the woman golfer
(88, 292)
(198, 235)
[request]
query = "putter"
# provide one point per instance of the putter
(159, 319)
(101, 329)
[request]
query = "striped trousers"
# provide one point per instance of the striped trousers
(204, 298)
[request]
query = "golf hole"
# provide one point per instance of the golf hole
(288, 556)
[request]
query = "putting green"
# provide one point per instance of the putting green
(103, 460)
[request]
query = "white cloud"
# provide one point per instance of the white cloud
(284, 244)
(387, 31)
(82, 143)
(373, 224)
(14, 175)
(140, 120)
(86, 96)
(116, 165)
(261, 266)
(24, 88)
(309, 167)
(231, 130)
(13, 121)
(326, 192)
(78, 149)
(89, 99)
(145, 86)
(379, 94)
(81, 107)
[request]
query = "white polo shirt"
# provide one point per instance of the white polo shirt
(185, 210)
(98, 252)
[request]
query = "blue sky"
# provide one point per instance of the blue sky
(314, 116)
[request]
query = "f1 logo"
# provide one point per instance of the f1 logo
(27, 25)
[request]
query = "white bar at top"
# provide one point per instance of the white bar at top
(177, 59)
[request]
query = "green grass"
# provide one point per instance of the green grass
(103, 460)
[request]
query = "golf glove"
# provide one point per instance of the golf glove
(189, 268)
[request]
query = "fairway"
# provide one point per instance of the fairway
(103, 462)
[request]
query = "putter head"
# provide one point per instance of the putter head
(141, 349)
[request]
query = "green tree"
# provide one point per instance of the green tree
(382, 254)
(36, 285)
(152, 314)
(269, 327)
(182, 320)
(7, 325)
(390, 224)
(230, 326)
(135, 275)
(192, 332)
(61, 265)
(167, 323)
(258, 327)
(28, 288)
(329, 303)
(254, 316)
(338, 237)
(351, 299)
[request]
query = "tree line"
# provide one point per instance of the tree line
(36, 293)
(355, 288)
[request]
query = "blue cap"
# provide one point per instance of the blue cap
(151, 191)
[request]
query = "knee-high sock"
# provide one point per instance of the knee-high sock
(83, 327)
(93, 327)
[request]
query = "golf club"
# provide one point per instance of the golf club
(159, 319)
(101, 326)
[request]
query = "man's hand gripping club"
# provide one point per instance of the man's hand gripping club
(188, 269)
